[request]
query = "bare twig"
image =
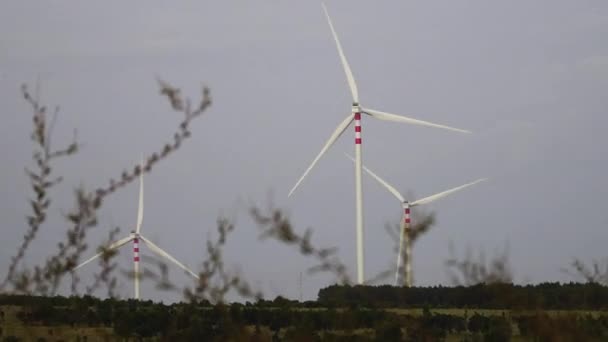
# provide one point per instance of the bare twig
(469, 271)
(105, 277)
(277, 226)
(46, 278)
(214, 280)
(596, 273)
(41, 179)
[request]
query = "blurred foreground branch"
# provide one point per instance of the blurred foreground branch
(275, 225)
(596, 273)
(214, 280)
(472, 270)
(45, 279)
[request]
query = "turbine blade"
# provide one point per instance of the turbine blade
(435, 197)
(398, 118)
(334, 136)
(112, 246)
(349, 74)
(381, 181)
(167, 256)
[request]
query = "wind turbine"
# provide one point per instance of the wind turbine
(135, 236)
(355, 115)
(404, 236)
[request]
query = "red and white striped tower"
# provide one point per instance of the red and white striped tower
(136, 264)
(408, 246)
(405, 234)
(136, 237)
(359, 195)
(356, 116)
(140, 219)
(357, 128)
(405, 239)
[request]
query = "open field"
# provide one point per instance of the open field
(496, 312)
(12, 324)
(418, 312)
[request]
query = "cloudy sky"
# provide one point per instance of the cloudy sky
(528, 78)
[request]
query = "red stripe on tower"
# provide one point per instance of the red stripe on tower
(407, 215)
(358, 128)
(136, 250)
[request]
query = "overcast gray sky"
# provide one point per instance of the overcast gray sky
(529, 78)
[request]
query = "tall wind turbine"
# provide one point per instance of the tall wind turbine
(355, 115)
(135, 236)
(404, 235)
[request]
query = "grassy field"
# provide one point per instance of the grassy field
(496, 312)
(11, 326)
(416, 312)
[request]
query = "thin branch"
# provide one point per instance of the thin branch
(277, 226)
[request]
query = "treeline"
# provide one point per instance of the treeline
(268, 319)
(545, 296)
(282, 319)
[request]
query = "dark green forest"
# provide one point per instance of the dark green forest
(545, 296)
(496, 312)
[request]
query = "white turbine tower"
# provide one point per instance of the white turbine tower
(404, 234)
(355, 115)
(135, 236)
